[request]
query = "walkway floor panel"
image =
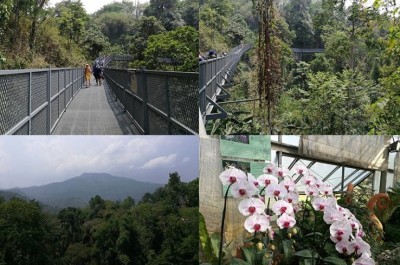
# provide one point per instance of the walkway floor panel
(94, 111)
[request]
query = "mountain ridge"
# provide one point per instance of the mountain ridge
(77, 191)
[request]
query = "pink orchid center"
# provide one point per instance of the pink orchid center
(290, 200)
(311, 192)
(277, 192)
(252, 209)
(242, 192)
(283, 209)
(308, 182)
(280, 173)
(286, 224)
(326, 192)
(321, 207)
(353, 225)
(344, 249)
(255, 183)
(269, 169)
(257, 227)
(339, 238)
(300, 171)
(232, 179)
(287, 187)
(267, 182)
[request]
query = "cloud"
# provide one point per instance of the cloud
(39, 160)
(160, 161)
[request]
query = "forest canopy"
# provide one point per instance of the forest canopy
(34, 35)
(348, 88)
(161, 229)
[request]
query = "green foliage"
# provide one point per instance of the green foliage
(298, 17)
(72, 19)
(180, 46)
(106, 232)
(333, 104)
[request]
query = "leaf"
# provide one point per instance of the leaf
(249, 254)
(215, 241)
(316, 233)
(236, 261)
(335, 260)
(205, 239)
(306, 253)
(287, 250)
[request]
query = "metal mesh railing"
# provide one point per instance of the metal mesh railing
(32, 101)
(159, 102)
(213, 74)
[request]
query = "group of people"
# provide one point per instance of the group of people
(211, 55)
(97, 70)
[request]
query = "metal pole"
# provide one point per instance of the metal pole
(30, 104)
(145, 107)
(48, 129)
(168, 104)
(65, 90)
(382, 186)
(342, 184)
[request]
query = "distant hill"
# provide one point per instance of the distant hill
(76, 192)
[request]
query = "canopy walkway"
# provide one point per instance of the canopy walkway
(300, 53)
(54, 101)
(215, 75)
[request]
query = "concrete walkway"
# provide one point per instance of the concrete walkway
(94, 111)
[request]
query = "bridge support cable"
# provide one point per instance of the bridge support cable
(32, 101)
(215, 75)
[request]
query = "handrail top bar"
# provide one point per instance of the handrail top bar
(234, 51)
(153, 71)
(25, 71)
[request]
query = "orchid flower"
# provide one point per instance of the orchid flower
(243, 189)
(275, 190)
(301, 170)
(251, 206)
(256, 223)
(252, 179)
(265, 180)
(232, 175)
(285, 221)
(340, 230)
(344, 247)
(281, 207)
(365, 259)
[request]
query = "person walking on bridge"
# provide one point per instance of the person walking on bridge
(88, 75)
(97, 72)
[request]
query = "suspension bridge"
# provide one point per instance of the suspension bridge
(131, 101)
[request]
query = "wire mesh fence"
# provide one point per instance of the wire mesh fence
(159, 102)
(32, 101)
(213, 74)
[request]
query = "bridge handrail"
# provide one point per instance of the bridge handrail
(308, 50)
(213, 73)
(32, 101)
(159, 102)
(115, 57)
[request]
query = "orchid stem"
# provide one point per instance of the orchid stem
(315, 228)
(222, 225)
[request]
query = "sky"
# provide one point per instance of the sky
(37, 160)
(92, 6)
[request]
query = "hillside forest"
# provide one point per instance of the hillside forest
(160, 229)
(34, 35)
(351, 87)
